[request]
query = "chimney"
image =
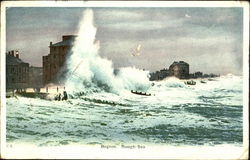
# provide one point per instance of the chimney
(50, 43)
(17, 54)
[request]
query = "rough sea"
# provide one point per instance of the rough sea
(176, 114)
(102, 109)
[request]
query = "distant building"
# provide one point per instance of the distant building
(198, 74)
(54, 61)
(17, 71)
(179, 69)
(191, 75)
(159, 75)
(201, 75)
(35, 77)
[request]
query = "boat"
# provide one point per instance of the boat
(211, 79)
(140, 93)
(191, 82)
(203, 81)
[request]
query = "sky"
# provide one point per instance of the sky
(209, 39)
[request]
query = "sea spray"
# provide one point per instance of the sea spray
(134, 79)
(191, 115)
(87, 71)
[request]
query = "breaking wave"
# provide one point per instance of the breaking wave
(89, 72)
(205, 114)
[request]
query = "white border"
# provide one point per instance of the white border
(124, 4)
(246, 46)
(219, 152)
(2, 82)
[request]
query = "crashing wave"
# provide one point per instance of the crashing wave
(87, 71)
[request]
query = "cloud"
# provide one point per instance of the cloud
(116, 15)
(143, 25)
(208, 37)
(161, 52)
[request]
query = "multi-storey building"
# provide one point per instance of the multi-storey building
(35, 77)
(17, 72)
(179, 69)
(54, 61)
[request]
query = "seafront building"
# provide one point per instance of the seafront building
(177, 69)
(35, 77)
(159, 75)
(17, 72)
(54, 61)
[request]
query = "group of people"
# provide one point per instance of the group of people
(59, 96)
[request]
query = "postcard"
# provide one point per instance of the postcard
(124, 80)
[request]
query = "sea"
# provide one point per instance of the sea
(102, 110)
(175, 114)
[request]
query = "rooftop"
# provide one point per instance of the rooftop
(11, 60)
(63, 43)
(180, 62)
(67, 40)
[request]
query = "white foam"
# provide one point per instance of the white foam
(88, 71)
